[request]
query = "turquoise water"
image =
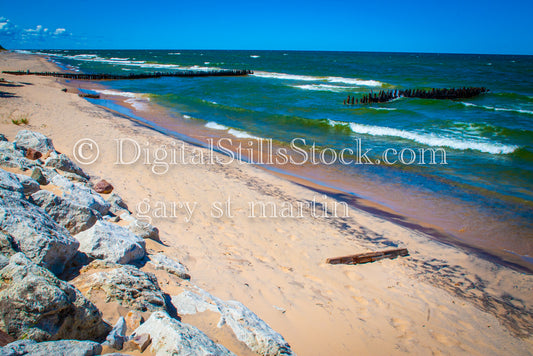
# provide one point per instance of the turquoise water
(488, 139)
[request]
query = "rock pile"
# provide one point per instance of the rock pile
(56, 225)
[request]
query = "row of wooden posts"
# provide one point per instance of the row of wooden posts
(384, 96)
(103, 76)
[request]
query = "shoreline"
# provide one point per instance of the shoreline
(151, 113)
(439, 299)
(357, 202)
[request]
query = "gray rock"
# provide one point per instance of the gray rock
(111, 242)
(39, 177)
(34, 304)
(80, 194)
(29, 184)
(30, 139)
(51, 348)
(35, 233)
(2, 137)
(189, 303)
(75, 177)
(161, 261)
(144, 230)
(10, 181)
(73, 217)
(117, 336)
(18, 182)
(7, 249)
(127, 285)
(11, 157)
(172, 337)
(63, 163)
(246, 325)
(117, 204)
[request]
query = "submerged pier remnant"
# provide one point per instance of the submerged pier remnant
(104, 76)
(384, 96)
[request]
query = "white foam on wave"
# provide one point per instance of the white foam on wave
(522, 111)
(387, 109)
(139, 105)
(237, 133)
(324, 87)
(186, 117)
(128, 62)
(356, 81)
(429, 139)
(213, 125)
(111, 92)
(310, 78)
(137, 101)
(241, 134)
(254, 56)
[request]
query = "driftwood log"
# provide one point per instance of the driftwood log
(368, 257)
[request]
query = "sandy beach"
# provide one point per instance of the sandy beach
(438, 300)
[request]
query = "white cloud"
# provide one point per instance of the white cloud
(7, 28)
(39, 33)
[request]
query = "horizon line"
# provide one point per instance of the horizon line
(265, 50)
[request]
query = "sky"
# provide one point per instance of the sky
(491, 27)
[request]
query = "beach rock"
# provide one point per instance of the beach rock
(103, 187)
(73, 217)
(35, 304)
(161, 261)
(10, 181)
(35, 233)
(246, 325)
(29, 139)
(139, 342)
(7, 245)
(134, 319)
(117, 204)
(33, 154)
(117, 336)
(12, 157)
(7, 249)
(80, 194)
(144, 230)
(51, 348)
(2, 137)
(5, 339)
(127, 285)
(172, 337)
(29, 184)
(111, 242)
(63, 163)
(73, 177)
(38, 176)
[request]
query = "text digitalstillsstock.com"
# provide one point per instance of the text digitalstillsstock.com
(258, 151)
(263, 151)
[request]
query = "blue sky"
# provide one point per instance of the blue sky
(371, 25)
